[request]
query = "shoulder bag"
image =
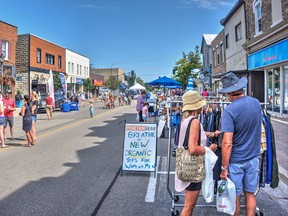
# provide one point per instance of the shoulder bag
(189, 168)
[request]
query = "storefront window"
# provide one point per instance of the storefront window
(270, 90)
(285, 90)
(277, 100)
(273, 93)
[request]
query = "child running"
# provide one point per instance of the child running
(91, 110)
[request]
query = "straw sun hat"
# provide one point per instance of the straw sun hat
(192, 101)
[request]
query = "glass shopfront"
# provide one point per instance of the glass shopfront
(285, 76)
(277, 89)
(273, 87)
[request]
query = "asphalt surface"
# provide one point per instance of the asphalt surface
(74, 169)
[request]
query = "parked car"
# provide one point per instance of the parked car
(59, 99)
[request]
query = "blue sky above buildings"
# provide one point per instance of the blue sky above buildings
(147, 36)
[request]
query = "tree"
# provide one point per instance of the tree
(56, 81)
(140, 81)
(88, 86)
(183, 67)
(112, 83)
(131, 78)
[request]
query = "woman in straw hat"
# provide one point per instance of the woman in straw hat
(192, 107)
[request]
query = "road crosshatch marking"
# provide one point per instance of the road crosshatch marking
(63, 128)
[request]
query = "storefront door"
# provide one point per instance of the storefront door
(273, 93)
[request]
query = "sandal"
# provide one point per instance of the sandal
(28, 145)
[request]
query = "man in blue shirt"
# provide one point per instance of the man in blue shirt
(241, 125)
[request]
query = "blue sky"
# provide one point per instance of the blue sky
(147, 36)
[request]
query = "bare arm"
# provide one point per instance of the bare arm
(193, 146)
(226, 153)
(23, 110)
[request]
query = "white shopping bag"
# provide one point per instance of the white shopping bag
(226, 197)
(207, 188)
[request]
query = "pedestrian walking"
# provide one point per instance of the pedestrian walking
(140, 103)
(241, 125)
(49, 106)
(2, 119)
(192, 107)
(26, 113)
(10, 107)
(91, 110)
(35, 104)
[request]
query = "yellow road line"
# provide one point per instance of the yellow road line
(62, 128)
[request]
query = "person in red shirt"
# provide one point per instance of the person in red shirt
(10, 107)
(205, 93)
(49, 106)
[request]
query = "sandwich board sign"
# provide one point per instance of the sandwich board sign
(140, 145)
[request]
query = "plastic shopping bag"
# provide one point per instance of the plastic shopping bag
(207, 188)
(226, 197)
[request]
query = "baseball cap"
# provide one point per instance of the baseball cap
(9, 92)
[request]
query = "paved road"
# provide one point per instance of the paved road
(74, 170)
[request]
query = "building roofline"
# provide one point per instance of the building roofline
(42, 39)
(77, 53)
(231, 12)
(8, 24)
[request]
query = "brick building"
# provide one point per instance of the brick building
(35, 58)
(266, 46)
(218, 59)
(8, 40)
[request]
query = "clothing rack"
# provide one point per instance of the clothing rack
(175, 196)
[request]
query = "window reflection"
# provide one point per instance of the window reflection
(285, 90)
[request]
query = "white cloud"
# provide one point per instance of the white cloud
(209, 4)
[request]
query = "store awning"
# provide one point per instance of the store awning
(79, 81)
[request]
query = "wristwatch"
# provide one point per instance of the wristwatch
(223, 168)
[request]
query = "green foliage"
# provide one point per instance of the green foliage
(140, 81)
(112, 83)
(131, 79)
(56, 81)
(184, 66)
(87, 84)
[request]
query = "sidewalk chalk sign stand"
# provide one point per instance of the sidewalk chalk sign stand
(140, 147)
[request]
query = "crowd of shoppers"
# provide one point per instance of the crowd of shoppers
(241, 129)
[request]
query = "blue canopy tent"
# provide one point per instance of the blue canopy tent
(164, 81)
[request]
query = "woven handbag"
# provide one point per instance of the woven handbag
(189, 168)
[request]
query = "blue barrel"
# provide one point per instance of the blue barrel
(65, 107)
(19, 103)
(74, 106)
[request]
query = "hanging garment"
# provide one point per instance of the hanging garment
(275, 170)
(269, 150)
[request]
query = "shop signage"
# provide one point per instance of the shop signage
(98, 82)
(273, 54)
(73, 79)
(79, 81)
(140, 144)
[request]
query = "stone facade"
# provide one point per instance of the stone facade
(107, 72)
(22, 63)
(217, 43)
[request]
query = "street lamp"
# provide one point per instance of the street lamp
(2, 57)
(111, 68)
